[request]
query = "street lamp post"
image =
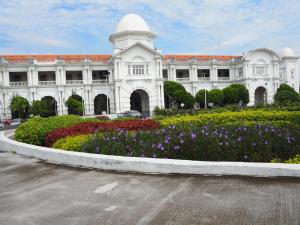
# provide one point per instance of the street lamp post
(205, 100)
(107, 105)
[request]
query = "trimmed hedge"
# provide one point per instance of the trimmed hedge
(72, 143)
(35, 130)
(243, 117)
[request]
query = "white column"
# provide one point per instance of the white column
(58, 76)
(117, 99)
(29, 76)
(5, 78)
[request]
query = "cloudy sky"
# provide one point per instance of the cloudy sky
(182, 26)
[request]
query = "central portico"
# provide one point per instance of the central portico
(137, 66)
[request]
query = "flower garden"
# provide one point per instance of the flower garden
(250, 135)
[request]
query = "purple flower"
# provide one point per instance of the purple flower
(97, 149)
(181, 134)
(266, 142)
(162, 148)
(176, 147)
(154, 156)
(181, 141)
(193, 135)
(163, 130)
(159, 145)
(166, 141)
(239, 139)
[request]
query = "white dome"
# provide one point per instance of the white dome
(287, 52)
(132, 22)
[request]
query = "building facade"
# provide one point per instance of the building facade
(132, 77)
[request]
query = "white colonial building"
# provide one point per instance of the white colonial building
(132, 77)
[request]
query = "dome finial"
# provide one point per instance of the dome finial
(132, 22)
(287, 52)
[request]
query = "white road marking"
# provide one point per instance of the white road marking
(106, 188)
(111, 208)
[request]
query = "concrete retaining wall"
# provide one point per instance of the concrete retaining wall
(146, 165)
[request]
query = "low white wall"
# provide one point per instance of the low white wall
(147, 165)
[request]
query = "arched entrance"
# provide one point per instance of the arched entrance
(75, 105)
(139, 100)
(51, 106)
(260, 95)
(101, 104)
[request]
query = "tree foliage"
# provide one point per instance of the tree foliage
(39, 108)
(216, 96)
(74, 105)
(236, 93)
(175, 94)
(200, 97)
(286, 95)
(19, 106)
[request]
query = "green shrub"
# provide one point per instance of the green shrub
(72, 143)
(35, 130)
(294, 160)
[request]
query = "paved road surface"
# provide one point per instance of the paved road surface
(35, 192)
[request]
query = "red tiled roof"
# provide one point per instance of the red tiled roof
(105, 58)
(49, 58)
(221, 57)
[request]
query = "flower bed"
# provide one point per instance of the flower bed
(210, 143)
(92, 127)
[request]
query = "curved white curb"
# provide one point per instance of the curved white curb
(147, 165)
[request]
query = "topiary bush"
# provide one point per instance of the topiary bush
(35, 130)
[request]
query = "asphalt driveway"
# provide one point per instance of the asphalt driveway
(35, 192)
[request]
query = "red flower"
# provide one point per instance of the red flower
(92, 127)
